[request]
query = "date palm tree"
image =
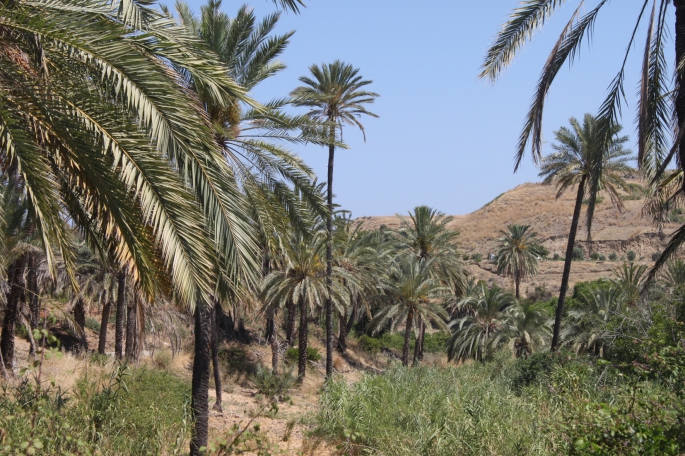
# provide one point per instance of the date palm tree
(411, 294)
(475, 335)
(526, 329)
(303, 281)
(583, 160)
(518, 253)
(426, 235)
(337, 96)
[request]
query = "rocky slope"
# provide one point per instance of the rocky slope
(536, 205)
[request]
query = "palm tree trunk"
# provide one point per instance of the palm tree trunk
(80, 318)
(679, 54)
(567, 264)
(350, 321)
(422, 334)
(417, 344)
(290, 326)
(272, 338)
(407, 338)
(215, 359)
(329, 260)
(517, 279)
(16, 273)
(342, 333)
(131, 330)
(302, 343)
(102, 340)
(33, 290)
(200, 382)
(121, 314)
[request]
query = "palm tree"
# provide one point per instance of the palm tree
(518, 254)
(337, 96)
(411, 294)
(582, 159)
(587, 323)
(475, 335)
(631, 278)
(526, 329)
(661, 101)
(303, 281)
(426, 235)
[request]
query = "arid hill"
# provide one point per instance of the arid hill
(536, 205)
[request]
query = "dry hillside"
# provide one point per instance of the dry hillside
(536, 205)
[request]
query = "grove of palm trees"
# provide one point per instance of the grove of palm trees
(178, 280)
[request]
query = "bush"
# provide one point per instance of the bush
(272, 385)
(656, 256)
(93, 324)
(630, 255)
(136, 411)
(466, 257)
(369, 344)
(435, 342)
(594, 256)
(163, 359)
(477, 257)
(293, 354)
(236, 361)
(613, 256)
(578, 254)
(556, 257)
(602, 257)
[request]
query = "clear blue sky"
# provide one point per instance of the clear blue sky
(444, 138)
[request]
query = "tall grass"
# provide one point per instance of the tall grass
(536, 407)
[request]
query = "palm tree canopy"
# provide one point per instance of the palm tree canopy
(656, 113)
(335, 94)
(581, 156)
(518, 252)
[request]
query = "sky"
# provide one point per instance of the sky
(444, 138)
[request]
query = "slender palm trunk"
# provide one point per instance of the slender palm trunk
(342, 332)
(417, 344)
(215, 359)
(121, 315)
(303, 339)
(407, 337)
(16, 275)
(80, 318)
(329, 260)
(567, 264)
(272, 338)
(679, 54)
(290, 325)
(422, 334)
(102, 340)
(517, 279)
(33, 290)
(351, 320)
(131, 329)
(200, 382)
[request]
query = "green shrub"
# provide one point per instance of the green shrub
(369, 344)
(556, 257)
(93, 324)
(656, 256)
(236, 361)
(602, 257)
(630, 255)
(578, 254)
(466, 257)
(594, 256)
(293, 354)
(270, 385)
(138, 411)
(613, 256)
(163, 358)
(395, 340)
(477, 257)
(435, 342)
